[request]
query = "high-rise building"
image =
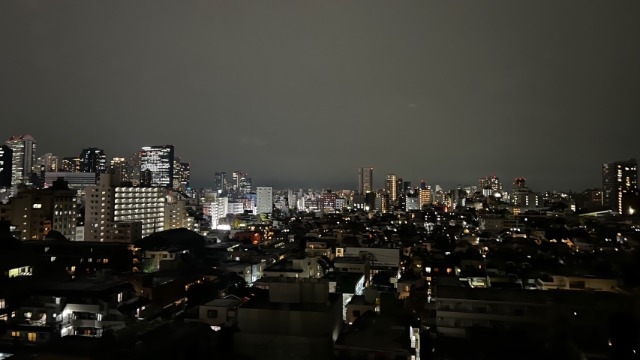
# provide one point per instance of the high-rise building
(365, 180)
(264, 200)
(391, 187)
(185, 175)
(425, 195)
(70, 164)
(93, 160)
(490, 184)
(619, 184)
(241, 183)
(120, 166)
(221, 182)
(118, 212)
(519, 184)
(6, 155)
(181, 175)
(24, 157)
(157, 162)
(49, 162)
(134, 168)
(328, 201)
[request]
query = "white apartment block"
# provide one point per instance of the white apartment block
(264, 201)
(108, 205)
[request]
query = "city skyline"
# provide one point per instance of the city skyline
(378, 182)
(303, 94)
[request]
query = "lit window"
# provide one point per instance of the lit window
(32, 337)
(15, 333)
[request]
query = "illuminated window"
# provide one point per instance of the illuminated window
(15, 333)
(2, 304)
(32, 337)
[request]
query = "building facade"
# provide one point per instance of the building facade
(619, 181)
(264, 202)
(365, 180)
(6, 156)
(24, 158)
(156, 166)
(111, 208)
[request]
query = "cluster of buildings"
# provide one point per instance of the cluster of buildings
(124, 259)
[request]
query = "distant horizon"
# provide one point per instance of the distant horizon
(305, 93)
(378, 178)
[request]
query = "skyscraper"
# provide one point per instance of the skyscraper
(181, 174)
(390, 186)
(120, 167)
(24, 157)
(50, 162)
(6, 155)
(619, 183)
(93, 160)
(241, 182)
(365, 180)
(70, 164)
(221, 182)
(157, 163)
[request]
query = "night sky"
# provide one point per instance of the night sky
(303, 93)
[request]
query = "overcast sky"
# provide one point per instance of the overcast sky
(303, 93)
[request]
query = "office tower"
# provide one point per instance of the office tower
(50, 162)
(70, 164)
(93, 160)
(24, 157)
(119, 166)
(185, 176)
(118, 212)
(221, 182)
(264, 200)
(241, 182)
(399, 188)
(491, 183)
(619, 183)
(156, 166)
(365, 180)
(181, 175)
(391, 187)
(6, 155)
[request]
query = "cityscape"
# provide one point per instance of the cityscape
(121, 257)
(321, 180)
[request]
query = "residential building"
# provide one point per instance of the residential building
(619, 182)
(264, 200)
(111, 207)
(278, 325)
(365, 180)
(57, 309)
(35, 212)
(391, 187)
